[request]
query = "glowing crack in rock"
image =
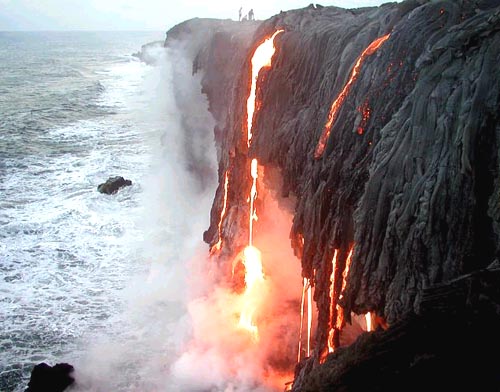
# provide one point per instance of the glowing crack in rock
(309, 319)
(218, 245)
(340, 310)
(331, 345)
(261, 58)
(302, 305)
(337, 103)
(253, 194)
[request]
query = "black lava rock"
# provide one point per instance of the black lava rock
(45, 378)
(113, 184)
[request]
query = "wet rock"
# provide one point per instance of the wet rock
(45, 378)
(113, 184)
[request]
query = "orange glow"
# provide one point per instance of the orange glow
(253, 195)
(309, 318)
(346, 271)
(340, 311)
(253, 276)
(337, 103)
(331, 345)
(218, 245)
(261, 58)
(302, 304)
(365, 116)
(368, 318)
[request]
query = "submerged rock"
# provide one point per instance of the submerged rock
(113, 184)
(45, 378)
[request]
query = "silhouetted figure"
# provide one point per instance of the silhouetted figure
(239, 13)
(251, 15)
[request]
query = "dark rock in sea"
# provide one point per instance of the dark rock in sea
(113, 184)
(45, 378)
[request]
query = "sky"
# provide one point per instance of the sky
(158, 15)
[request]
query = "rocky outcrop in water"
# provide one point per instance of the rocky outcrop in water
(45, 378)
(113, 184)
(405, 194)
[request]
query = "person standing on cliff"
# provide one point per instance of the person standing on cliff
(239, 14)
(250, 15)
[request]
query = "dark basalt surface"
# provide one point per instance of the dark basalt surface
(46, 378)
(414, 188)
(113, 184)
(449, 343)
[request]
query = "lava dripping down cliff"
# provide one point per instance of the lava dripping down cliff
(377, 131)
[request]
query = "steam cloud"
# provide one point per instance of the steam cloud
(180, 330)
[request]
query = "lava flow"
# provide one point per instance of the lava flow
(336, 321)
(253, 264)
(261, 58)
(251, 255)
(337, 103)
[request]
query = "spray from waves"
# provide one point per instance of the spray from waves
(180, 331)
(177, 194)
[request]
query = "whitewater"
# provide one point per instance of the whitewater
(86, 278)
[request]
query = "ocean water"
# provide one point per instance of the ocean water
(76, 108)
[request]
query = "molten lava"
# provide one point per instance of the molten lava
(302, 305)
(253, 196)
(252, 263)
(369, 326)
(251, 255)
(261, 58)
(331, 345)
(309, 319)
(218, 245)
(340, 311)
(337, 103)
(253, 276)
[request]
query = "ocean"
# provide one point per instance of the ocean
(86, 278)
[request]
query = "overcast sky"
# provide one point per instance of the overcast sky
(138, 14)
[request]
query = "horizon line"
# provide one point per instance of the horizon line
(83, 31)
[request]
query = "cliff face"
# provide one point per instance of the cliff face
(405, 194)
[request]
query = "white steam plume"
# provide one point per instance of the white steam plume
(180, 331)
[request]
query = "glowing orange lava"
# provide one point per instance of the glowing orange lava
(261, 58)
(331, 345)
(253, 276)
(253, 195)
(337, 103)
(365, 116)
(368, 318)
(302, 304)
(309, 319)
(340, 311)
(218, 245)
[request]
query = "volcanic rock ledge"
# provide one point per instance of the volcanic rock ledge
(408, 182)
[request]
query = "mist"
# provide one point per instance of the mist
(179, 331)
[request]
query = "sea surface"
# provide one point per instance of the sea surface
(75, 109)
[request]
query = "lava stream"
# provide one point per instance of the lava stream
(337, 103)
(261, 58)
